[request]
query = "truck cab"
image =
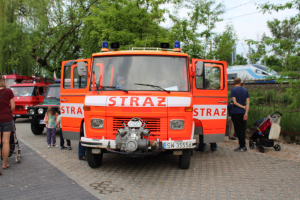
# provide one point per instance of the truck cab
(142, 103)
(37, 112)
(27, 94)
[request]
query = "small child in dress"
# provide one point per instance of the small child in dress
(62, 141)
(50, 120)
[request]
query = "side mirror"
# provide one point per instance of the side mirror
(199, 68)
(81, 69)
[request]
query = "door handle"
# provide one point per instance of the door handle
(222, 101)
(62, 100)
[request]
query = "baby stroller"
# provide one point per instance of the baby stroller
(267, 130)
(14, 145)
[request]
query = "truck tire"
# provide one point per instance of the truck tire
(94, 160)
(185, 159)
(36, 129)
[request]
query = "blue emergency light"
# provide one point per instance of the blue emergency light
(104, 44)
(57, 81)
(177, 44)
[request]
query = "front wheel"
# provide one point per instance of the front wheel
(36, 129)
(277, 147)
(185, 159)
(94, 160)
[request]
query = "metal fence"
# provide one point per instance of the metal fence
(267, 97)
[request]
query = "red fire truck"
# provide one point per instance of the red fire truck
(143, 102)
(16, 78)
(28, 93)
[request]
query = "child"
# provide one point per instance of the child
(62, 141)
(50, 120)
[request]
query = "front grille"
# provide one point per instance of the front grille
(153, 123)
(19, 107)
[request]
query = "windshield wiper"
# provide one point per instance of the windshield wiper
(114, 88)
(154, 86)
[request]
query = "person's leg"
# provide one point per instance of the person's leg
(81, 150)
(201, 144)
(213, 146)
(69, 143)
(62, 142)
(243, 132)
(5, 146)
(231, 128)
(239, 127)
(48, 136)
(53, 132)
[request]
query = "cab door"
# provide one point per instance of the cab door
(210, 100)
(73, 91)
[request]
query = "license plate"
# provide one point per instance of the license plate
(42, 122)
(178, 145)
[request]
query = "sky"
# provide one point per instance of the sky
(247, 27)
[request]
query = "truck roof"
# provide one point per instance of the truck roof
(140, 52)
(28, 84)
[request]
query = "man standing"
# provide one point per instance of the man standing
(239, 112)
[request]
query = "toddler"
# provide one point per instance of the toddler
(50, 120)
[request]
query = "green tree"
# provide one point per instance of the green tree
(257, 49)
(225, 45)
(132, 23)
(285, 44)
(240, 60)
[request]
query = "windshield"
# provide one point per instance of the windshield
(9, 82)
(53, 93)
(24, 91)
(129, 72)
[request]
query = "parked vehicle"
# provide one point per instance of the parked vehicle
(37, 113)
(251, 72)
(143, 102)
(27, 94)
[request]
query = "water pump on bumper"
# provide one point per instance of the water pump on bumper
(134, 137)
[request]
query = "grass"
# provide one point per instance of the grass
(265, 102)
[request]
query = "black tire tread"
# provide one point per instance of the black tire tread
(185, 159)
(36, 129)
(94, 160)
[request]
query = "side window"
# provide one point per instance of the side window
(41, 91)
(78, 81)
(211, 77)
(231, 76)
(67, 77)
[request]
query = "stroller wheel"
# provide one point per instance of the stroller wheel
(261, 149)
(277, 147)
(251, 145)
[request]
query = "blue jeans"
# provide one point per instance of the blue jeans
(202, 145)
(81, 150)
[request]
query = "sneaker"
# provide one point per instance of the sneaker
(49, 145)
(63, 147)
(241, 149)
(232, 138)
(55, 145)
(69, 148)
(83, 158)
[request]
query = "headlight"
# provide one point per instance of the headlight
(97, 123)
(40, 110)
(26, 107)
(31, 111)
(177, 124)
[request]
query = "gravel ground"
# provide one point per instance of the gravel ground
(288, 151)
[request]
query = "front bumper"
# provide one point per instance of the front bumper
(103, 143)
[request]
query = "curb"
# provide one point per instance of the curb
(86, 187)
